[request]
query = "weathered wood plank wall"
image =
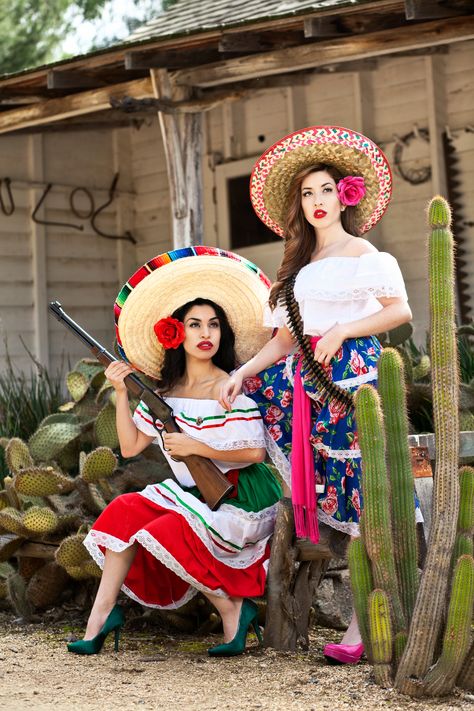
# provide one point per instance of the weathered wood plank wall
(152, 219)
(39, 263)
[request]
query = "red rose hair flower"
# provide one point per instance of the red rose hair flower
(351, 190)
(169, 332)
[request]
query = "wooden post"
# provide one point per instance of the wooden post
(280, 628)
(294, 573)
(183, 151)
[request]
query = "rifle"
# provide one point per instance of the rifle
(210, 481)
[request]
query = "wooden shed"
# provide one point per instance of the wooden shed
(110, 158)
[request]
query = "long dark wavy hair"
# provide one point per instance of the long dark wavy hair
(174, 365)
(299, 234)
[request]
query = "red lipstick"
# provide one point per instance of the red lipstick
(205, 345)
(318, 214)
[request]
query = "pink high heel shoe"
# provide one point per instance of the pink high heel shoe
(343, 653)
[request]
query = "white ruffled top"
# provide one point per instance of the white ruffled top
(205, 420)
(341, 289)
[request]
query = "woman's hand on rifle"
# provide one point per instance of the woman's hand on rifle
(116, 372)
(178, 444)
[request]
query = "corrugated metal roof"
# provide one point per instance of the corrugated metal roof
(189, 16)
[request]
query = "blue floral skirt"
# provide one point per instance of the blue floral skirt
(337, 459)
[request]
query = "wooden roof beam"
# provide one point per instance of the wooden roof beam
(166, 58)
(324, 27)
(244, 42)
(87, 102)
(431, 9)
(69, 80)
(332, 51)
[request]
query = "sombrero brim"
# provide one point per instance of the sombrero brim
(349, 151)
(174, 278)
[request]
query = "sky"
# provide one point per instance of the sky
(110, 24)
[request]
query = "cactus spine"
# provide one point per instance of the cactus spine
(381, 636)
(392, 391)
(428, 614)
(377, 521)
(361, 582)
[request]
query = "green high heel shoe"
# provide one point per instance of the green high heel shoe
(113, 623)
(248, 617)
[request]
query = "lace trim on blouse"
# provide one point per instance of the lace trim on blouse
(231, 444)
(355, 294)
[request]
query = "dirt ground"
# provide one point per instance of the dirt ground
(158, 670)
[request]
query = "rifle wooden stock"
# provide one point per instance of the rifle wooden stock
(210, 481)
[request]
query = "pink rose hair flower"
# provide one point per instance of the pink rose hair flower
(351, 190)
(169, 332)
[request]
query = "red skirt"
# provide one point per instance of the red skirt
(171, 562)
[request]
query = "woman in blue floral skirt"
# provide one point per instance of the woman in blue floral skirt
(321, 188)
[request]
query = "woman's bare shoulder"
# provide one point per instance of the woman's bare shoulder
(218, 383)
(358, 246)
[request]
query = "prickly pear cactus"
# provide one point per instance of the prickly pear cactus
(12, 520)
(60, 481)
(47, 442)
(105, 430)
(77, 384)
(42, 481)
(46, 585)
(99, 464)
(18, 455)
(40, 520)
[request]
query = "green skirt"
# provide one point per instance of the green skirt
(257, 489)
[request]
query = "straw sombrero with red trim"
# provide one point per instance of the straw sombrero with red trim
(171, 280)
(349, 151)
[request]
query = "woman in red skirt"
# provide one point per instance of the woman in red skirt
(162, 545)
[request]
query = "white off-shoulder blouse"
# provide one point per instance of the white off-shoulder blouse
(341, 289)
(205, 420)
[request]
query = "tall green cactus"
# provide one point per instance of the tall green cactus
(466, 676)
(381, 636)
(441, 677)
(418, 671)
(464, 544)
(391, 386)
(361, 583)
(428, 614)
(377, 519)
(466, 503)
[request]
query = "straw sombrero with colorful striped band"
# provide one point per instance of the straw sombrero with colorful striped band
(348, 151)
(171, 280)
